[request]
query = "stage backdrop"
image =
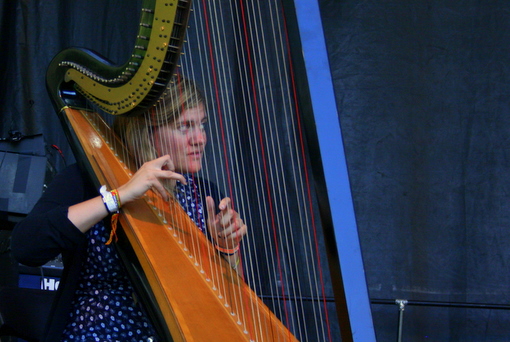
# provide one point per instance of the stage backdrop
(422, 92)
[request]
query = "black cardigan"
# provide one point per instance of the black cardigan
(47, 232)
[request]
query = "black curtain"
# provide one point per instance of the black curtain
(422, 96)
(422, 90)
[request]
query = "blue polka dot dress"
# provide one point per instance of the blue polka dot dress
(189, 198)
(103, 307)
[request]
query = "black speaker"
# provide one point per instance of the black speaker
(22, 174)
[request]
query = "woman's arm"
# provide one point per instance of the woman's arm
(66, 211)
(86, 214)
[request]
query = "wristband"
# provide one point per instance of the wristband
(109, 200)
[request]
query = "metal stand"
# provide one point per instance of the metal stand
(401, 307)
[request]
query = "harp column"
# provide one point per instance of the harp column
(346, 256)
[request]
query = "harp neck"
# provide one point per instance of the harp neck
(77, 74)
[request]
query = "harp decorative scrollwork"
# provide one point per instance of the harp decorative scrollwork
(139, 83)
(245, 69)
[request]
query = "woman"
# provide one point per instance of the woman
(94, 301)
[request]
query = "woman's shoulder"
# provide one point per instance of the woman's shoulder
(71, 181)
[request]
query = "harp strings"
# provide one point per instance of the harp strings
(222, 67)
(309, 232)
(216, 104)
(263, 83)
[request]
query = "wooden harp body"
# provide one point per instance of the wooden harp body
(293, 287)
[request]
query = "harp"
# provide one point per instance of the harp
(303, 274)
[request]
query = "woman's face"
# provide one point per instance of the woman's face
(184, 140)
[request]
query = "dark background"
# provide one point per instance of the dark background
(422, 90)
(422, 93)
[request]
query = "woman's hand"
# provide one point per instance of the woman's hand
(226, 227)
(152, 174)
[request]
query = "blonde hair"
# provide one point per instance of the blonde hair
(137, 131)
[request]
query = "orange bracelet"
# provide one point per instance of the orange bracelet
(227, 251)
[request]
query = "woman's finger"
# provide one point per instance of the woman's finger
(211, 216)
(225, 204)
(236, 229)
(167, 174)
